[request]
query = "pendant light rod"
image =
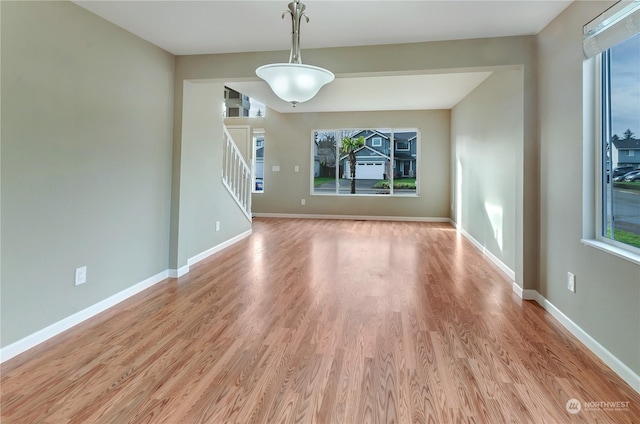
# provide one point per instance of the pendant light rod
(295, 82)
(296, 10)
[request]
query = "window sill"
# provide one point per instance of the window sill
(387, 196)
(613, 250)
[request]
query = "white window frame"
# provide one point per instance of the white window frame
(392, 193)
(376, 141)
(594, 129)
(257, 133)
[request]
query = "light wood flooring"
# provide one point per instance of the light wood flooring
(319, 321)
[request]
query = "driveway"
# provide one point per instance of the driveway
(362, 187)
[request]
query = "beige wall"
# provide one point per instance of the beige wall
(480, 54)
(487, 126)
(93, 173)
(607, 301)
(86, 161)
(203, 199)
(288, 143)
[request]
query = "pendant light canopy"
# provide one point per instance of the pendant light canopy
(293, 81)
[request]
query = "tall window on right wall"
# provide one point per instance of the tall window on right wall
(614, 40)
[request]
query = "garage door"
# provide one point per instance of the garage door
(369, 171)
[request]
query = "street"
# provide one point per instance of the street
(627, 210)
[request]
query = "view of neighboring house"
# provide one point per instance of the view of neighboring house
(384, 153)
(258, 174)
(628, 150)
(236, 104)
(374, 158)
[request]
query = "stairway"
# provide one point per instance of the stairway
(236, 174)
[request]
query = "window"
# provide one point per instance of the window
(613, 41)
(344, 163)
(238, 105)
(402, 145)
(258, 161)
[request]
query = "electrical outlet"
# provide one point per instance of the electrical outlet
(296, 168)
(81, 275)
(571, 282)
(303, 202)
(217, 225)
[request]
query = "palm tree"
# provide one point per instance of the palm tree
(349, 146)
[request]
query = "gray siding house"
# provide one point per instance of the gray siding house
(628, 151)
(373, 160)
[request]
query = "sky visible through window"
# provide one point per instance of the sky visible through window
(625, 87)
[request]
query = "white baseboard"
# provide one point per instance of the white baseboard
(215, 249)
(626, 373)
(353, 217)
(64, 324)
(22, 345)
(529, 294)
(177, 273)
(40, 336)
(517, 290)
(494, 259)
(525, 294)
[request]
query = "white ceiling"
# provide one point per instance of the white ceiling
(202, 27)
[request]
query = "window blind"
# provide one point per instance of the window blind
(615, 25)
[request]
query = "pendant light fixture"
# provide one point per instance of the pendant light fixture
(293, 81)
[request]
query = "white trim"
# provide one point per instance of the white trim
(517, 290)
(64, 324)
(529, 294)
(613, 250)
(616, 365)
(525, 294)
(215, 249)
(494, 259)
(177, 273)
(352, 217)
(395, 195)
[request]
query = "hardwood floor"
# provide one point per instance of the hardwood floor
(313, 321)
